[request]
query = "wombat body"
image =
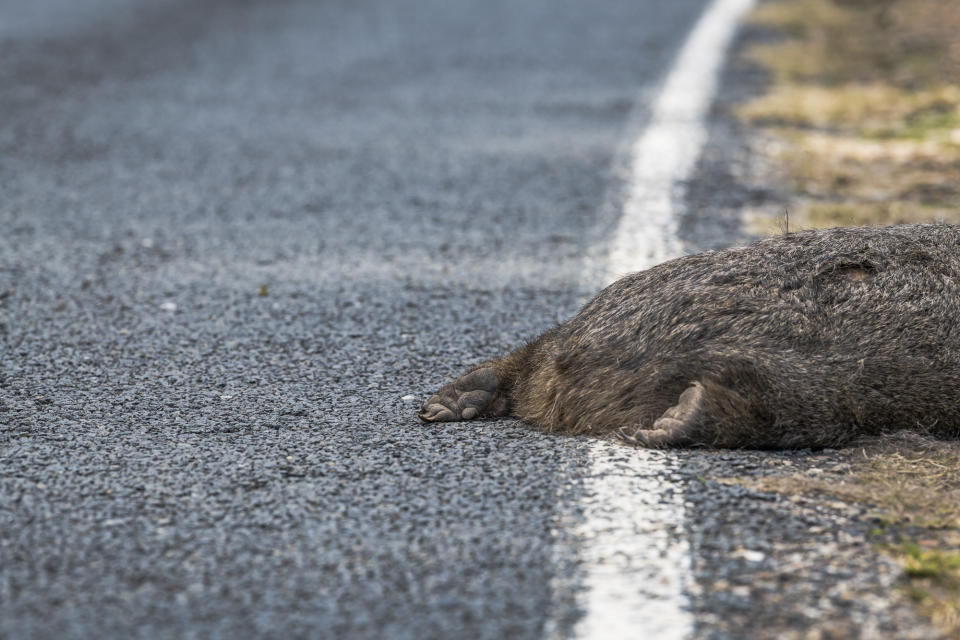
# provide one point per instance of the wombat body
(803, 340)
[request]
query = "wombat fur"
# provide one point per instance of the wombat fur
(804, 340)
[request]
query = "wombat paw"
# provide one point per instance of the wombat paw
(674, 427)
(463, 399)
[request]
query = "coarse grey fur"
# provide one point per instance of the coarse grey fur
(802, 340)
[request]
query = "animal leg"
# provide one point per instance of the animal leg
(676, 427)
(466, 398)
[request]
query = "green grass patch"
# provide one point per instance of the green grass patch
(933, 583)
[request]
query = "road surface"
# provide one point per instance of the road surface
(241, 242)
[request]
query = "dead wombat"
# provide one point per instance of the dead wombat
(802, 340)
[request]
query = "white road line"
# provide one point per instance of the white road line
(663, 157)
(634, 554)
(636, 570)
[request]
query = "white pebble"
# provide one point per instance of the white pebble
(753, 556)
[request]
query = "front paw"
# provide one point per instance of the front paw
(463, 399)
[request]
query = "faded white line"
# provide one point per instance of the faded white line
(635, 559)
(634, 554)
(663, 157)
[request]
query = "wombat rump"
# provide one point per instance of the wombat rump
(802, 340)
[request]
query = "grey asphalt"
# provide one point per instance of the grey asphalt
(240, 242)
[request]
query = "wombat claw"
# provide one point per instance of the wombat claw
(637, 439)
(463, 399)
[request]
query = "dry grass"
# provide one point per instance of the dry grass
(912, 482)
(866, 101)
(913, 487)
(905, 43)
(874, 110)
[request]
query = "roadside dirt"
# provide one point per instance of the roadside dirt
(852, 117)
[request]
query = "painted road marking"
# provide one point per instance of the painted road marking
(664, 156)
(635, 558)
(634, 552)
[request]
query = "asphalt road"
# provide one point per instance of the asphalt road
(240, 242)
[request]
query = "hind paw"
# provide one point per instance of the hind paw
(465, 398)
(675, 427)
